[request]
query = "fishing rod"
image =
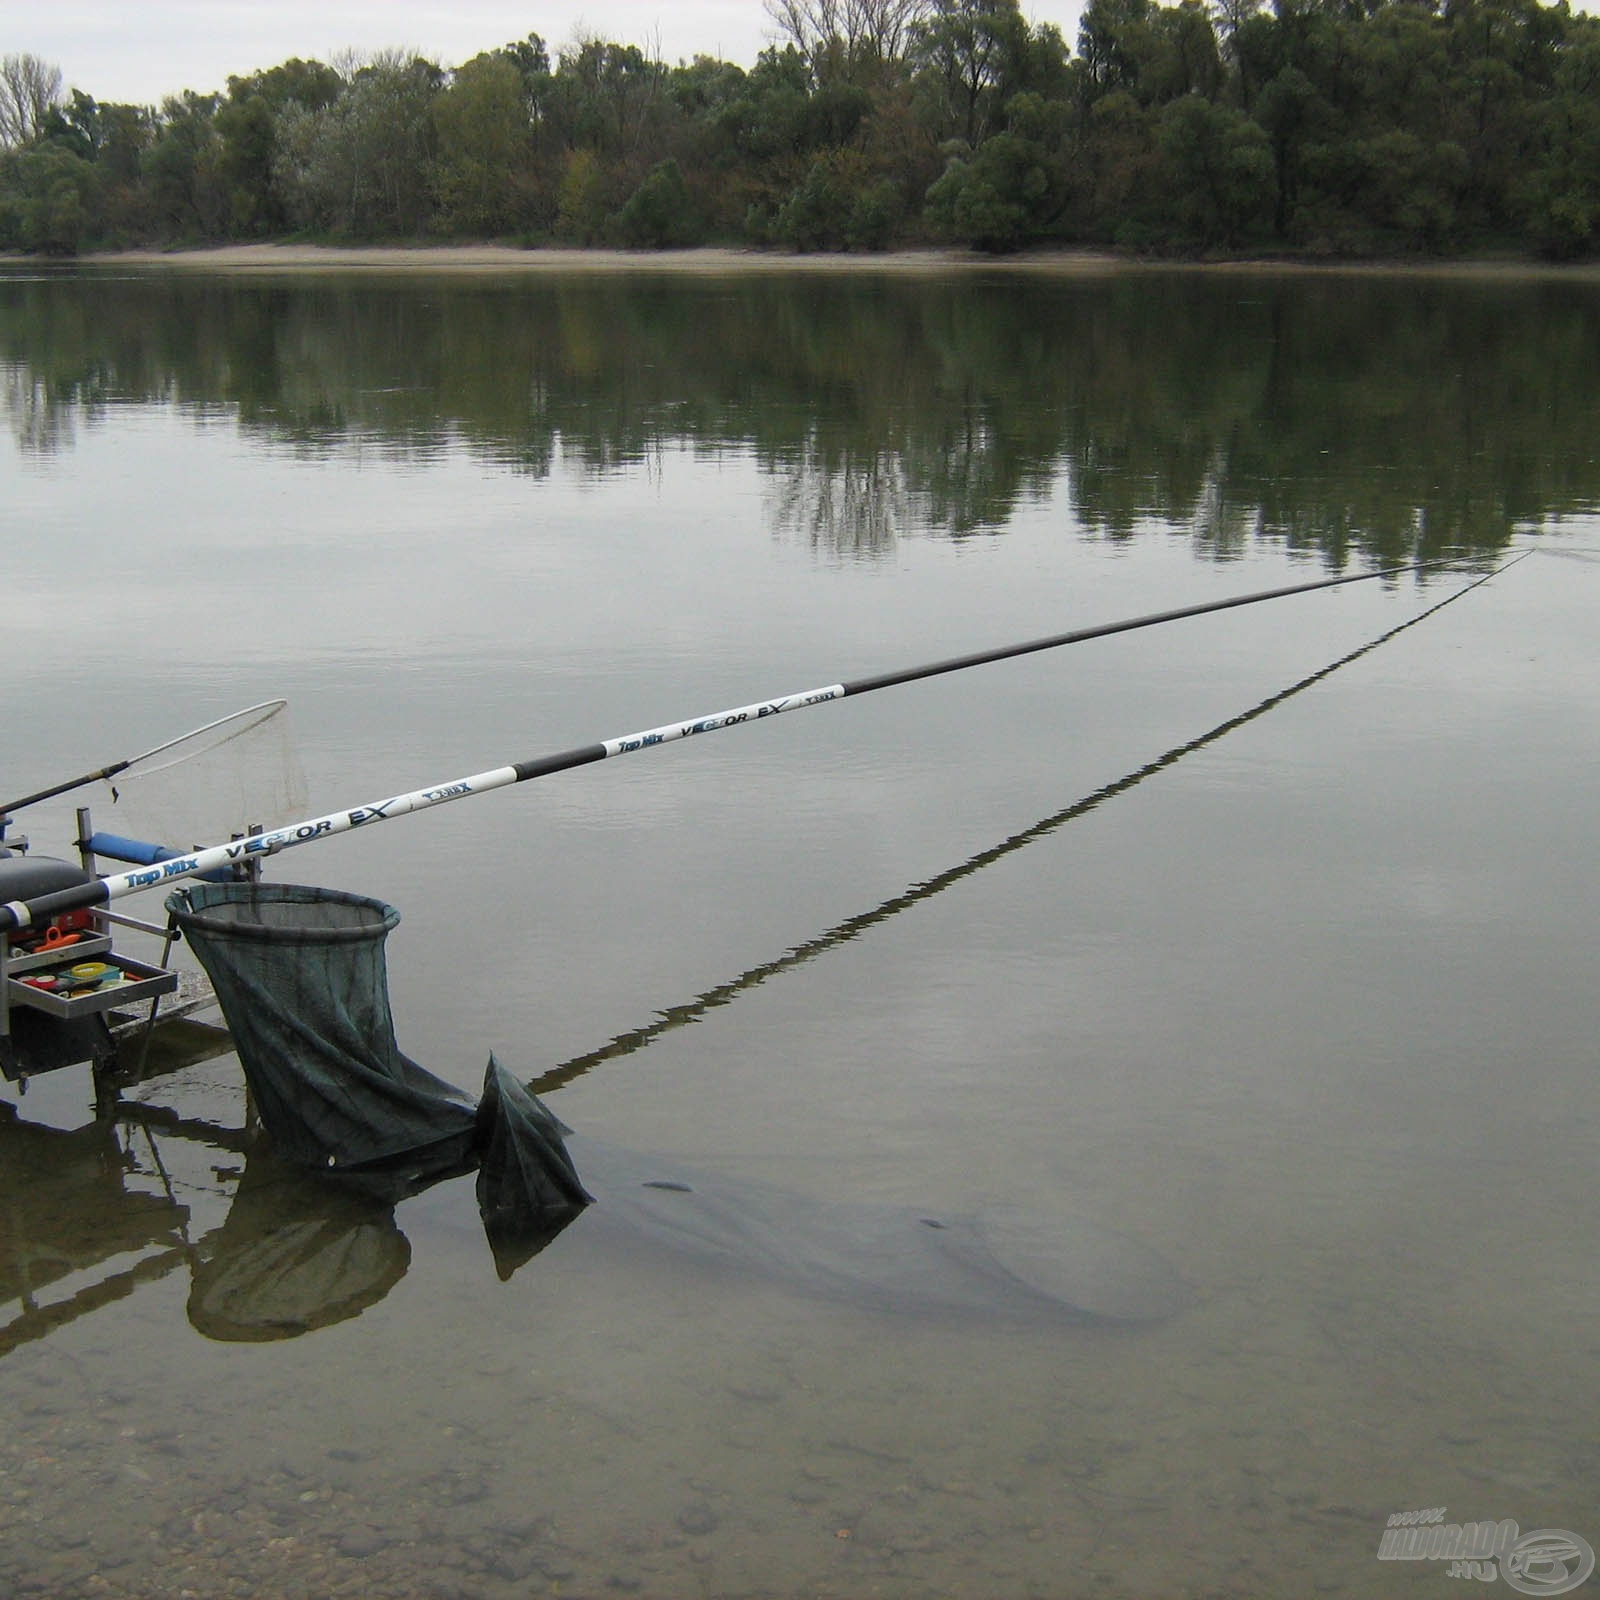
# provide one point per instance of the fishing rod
(266, 709)
(25, 913)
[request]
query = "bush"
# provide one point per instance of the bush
(838, 205)
(991, 201)
(659, 214)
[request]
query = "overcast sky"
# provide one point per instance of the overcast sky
(140, 51)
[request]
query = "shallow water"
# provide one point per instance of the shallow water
(1302, 1001)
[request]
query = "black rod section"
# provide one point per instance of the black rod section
(979, 658)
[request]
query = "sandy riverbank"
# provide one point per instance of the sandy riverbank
(508, 259)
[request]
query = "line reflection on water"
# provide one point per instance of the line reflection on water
(679, 1016)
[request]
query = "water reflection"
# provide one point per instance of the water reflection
(39, 423)
(83, 1221)
(294, 1255)
(87, 1215)
(851, 508)
(1332, 414)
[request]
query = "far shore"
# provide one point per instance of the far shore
(509, 259)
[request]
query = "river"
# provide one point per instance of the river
(1267, 951)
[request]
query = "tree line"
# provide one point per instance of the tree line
(1323, 127)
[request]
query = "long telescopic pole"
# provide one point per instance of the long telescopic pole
(24, 913)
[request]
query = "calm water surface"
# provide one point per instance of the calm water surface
(1301, 999)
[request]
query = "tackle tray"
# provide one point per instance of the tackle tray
(140, 982)
(85, 946)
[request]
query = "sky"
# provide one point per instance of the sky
(140, 51)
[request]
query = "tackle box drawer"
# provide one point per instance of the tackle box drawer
(138, 982)
(85, 946)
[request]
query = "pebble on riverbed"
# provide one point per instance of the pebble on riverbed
(698, 1518)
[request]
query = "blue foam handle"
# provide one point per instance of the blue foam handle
(141, 853)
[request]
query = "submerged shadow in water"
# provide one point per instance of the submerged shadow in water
(995, 1263)
(296, 1252)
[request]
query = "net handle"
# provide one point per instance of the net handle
(267, 708)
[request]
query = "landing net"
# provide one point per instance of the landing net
(301, 977)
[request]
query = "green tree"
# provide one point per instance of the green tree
(1504, 55)
(838, 205)
(608, 98)
(972, 56)
(969, 56)
(1219, 167)
(1565, 200)
(720, 184)
(584, 199)
(482, 178)
(360, 165)
(1009, 190)
(114, 140)
(247, 123)
(1115, 168)
(787, 136)
(1185, 57)
(1292, 113)
(1115, 40)
(182, 169)
(113, 137)
(48, 200)
(766, 121)
(1413, 187)
(248, 130)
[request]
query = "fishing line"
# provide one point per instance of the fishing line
(680, 1016)
(1590, 558)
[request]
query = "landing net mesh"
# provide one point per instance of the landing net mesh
(211, 784)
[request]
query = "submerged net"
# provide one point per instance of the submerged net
(302, 981)
(290, 1258)
(211, 784)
